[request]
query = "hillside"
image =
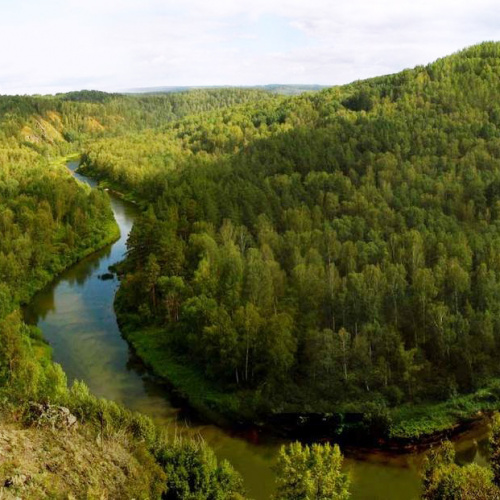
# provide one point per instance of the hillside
(48, 221)
(65, 120)
(329, 257)
(331, 253)
(47, 463)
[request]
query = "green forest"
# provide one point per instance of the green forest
(49, 221)
(329, 254)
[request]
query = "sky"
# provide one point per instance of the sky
(51, 46)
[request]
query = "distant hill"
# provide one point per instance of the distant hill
(276, 88)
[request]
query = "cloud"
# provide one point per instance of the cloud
(56, 45)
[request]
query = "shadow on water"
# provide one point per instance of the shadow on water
(76, 315)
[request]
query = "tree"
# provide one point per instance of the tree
(345, 346)
(249, 322)
(494, 443)
(193, 473)
(396, 283)
(311, 473)
(445, 480)
(279, 346)
(458, 281)
(151, 274)
(172, 289)
(425, 290)
(220, 345)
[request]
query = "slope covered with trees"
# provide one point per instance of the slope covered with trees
(52, 124)
(334, 252)
(47, 222)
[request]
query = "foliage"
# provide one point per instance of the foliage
(47, 221)
(40, 462)
(311, 472)
(445, 480)
(194, 474)
(342, 243)
(412, 421)
(495, 449)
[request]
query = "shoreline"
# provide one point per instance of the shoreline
(307, 427)
(112, 230)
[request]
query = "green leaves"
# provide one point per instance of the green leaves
(445, 480)
(311, 473)
(194, 473)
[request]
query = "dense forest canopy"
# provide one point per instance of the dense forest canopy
(276, 88)
(314, 251)
(78, 116)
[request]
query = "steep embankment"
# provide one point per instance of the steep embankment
(52, 460)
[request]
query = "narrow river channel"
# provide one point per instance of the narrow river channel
(76, 316)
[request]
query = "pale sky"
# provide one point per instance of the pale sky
(53, 46)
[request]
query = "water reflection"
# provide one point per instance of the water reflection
(473, 448)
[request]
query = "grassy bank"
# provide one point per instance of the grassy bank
(424, 420)
(63, 160)
(406, 425)
(188, 383)
(42, 462)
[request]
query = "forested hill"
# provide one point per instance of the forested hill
(324, 252)
(283, 89)
(65, 120)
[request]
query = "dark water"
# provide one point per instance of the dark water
(76, 316)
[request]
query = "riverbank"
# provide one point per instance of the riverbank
(189, 385)
(99, 238)
(62, 161)
(86, 170)
(76, 316)
(404, 429)
(111, 234)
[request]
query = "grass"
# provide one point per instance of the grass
(189, 383)
(63, 160)
(417, 421)
(41, 462)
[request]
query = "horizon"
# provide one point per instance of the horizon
(114, 45)
(171, 89)
(164, 89)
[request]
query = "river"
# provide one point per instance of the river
(76, 316)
